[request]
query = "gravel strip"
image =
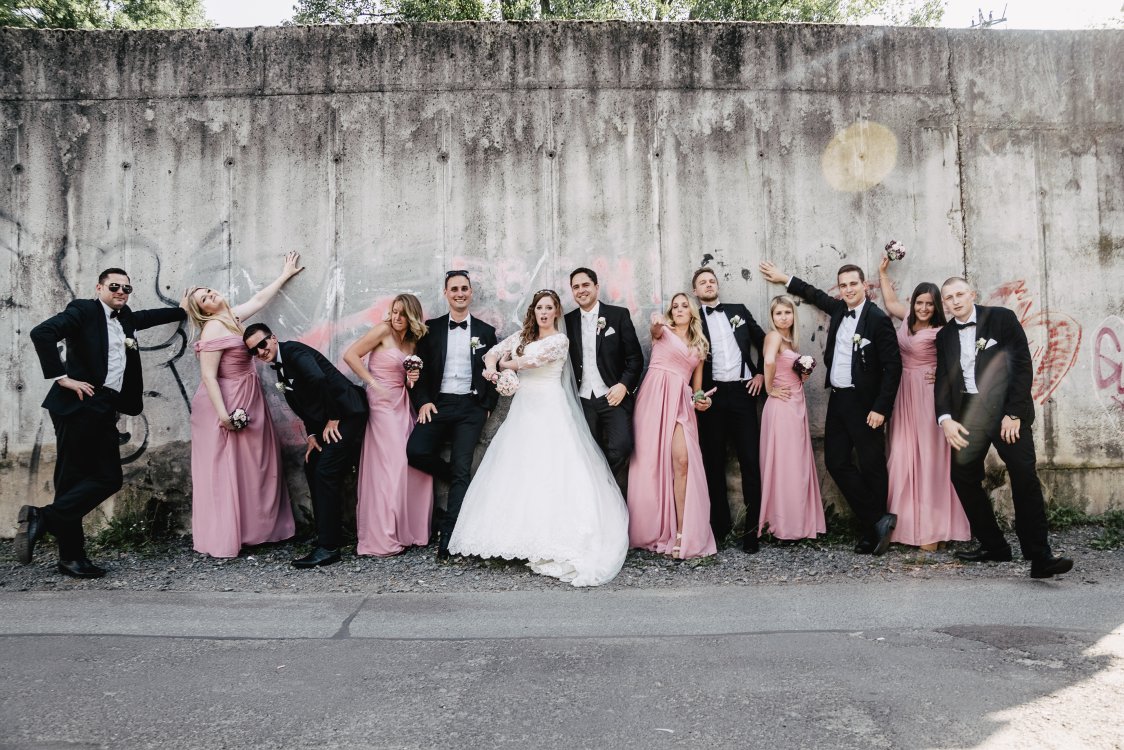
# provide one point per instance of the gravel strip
(175, 567)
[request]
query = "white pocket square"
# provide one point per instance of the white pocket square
(990, 343)
(864, 343)
(609, 331)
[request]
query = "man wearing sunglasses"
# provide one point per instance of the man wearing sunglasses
(334, 412)
(100, 378)
(452, 398)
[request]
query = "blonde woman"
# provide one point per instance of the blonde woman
(395, 500)
(668, 501)
(791, 506)
(238, 485)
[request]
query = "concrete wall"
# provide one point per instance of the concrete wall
(389, 153)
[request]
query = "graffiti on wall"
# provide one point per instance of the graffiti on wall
(1108, 363)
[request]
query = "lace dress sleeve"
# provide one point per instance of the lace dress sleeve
(505, 346)
(548, 350)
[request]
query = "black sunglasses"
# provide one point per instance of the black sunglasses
(115, 287)
(261, 345)
(458, 272)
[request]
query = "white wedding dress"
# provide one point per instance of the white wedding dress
(544, 492)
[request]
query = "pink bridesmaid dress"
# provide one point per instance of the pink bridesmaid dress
(921, 491)
(791, 506)
(663, 403)
(395, 501)
(238, 487)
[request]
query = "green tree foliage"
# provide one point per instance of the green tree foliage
(896, 12)
(103, 14)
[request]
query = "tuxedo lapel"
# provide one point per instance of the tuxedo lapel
(442, 348)
(952, 352)
(706, 331)
(982, 332)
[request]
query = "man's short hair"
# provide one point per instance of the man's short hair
(848, 269)
(457, 272)
(587, 271)
(255, 328)
(111, 272)
(695, 276)
(953, 280)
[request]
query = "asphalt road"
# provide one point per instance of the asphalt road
(899, 664)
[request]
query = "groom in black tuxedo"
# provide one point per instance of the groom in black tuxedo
(863, 369)
(731, 370)
(452, 398)
(101, 377)
(607, 362)
(982, 398)
(334, 412)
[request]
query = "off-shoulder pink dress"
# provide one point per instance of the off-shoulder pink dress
(238, 487)
(395, 501)
(663, 403)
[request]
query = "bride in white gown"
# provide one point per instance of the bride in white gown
(544, 492)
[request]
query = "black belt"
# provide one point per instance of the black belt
(835, 389)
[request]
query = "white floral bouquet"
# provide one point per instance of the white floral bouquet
(895, 250)
(804, 365)
(239, 419)
(508, 383)
(412, 363)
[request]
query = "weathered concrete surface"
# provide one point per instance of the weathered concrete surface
(907, 664)
(389, 153)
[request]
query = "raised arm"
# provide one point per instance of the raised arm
(656, 325)
(889, 296)
(252, 306)
(801, 288)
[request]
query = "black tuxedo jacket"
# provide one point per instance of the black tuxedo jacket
(876, 369)
(82, 325)
(432, 349)
(748, 335)
(317, 391)
(619, 356)
(1003, 370)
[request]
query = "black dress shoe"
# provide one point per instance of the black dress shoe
(30, 531)
(751, 545)
(864, 547)
(1050, 567)
(443, 553)
(882, 531)
(80, 568)
(982, 554)
(317, 558)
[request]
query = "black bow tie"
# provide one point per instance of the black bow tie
(962, 326)
(276, 366)
(463, 324)
(849, 314)
(114, 314)
(717, 308)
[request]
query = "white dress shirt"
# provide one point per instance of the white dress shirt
(115, 364)
(457, 377)
(967, 357)
(726, 360)
(845, 349)
(592, 385)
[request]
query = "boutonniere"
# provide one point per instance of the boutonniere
(980, 344)
(131, 343)
(855, 341)
(736, 322)
(282, 386)
(601, 324)
(474, 342)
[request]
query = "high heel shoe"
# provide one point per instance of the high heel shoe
(677, 550)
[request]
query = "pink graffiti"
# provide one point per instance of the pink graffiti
(1054, 337)
(1108, 362)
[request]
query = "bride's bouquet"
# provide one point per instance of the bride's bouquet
(895, 250)
(804, 365)
(239, 419)
(508, 383)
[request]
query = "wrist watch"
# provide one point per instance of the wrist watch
(1014, 416)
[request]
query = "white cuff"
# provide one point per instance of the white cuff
(943, 418)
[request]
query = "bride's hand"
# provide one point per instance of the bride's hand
(490, 375)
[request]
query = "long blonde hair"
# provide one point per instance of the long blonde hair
(695, 338)
(784, 299)
(415, 321)
(199, 318)
(530, 330)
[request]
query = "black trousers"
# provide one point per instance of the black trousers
(459, 421)
(967, 473)
(866, 486)
(732, 417)
(325, 470)
(612, 429)
(87, 472)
